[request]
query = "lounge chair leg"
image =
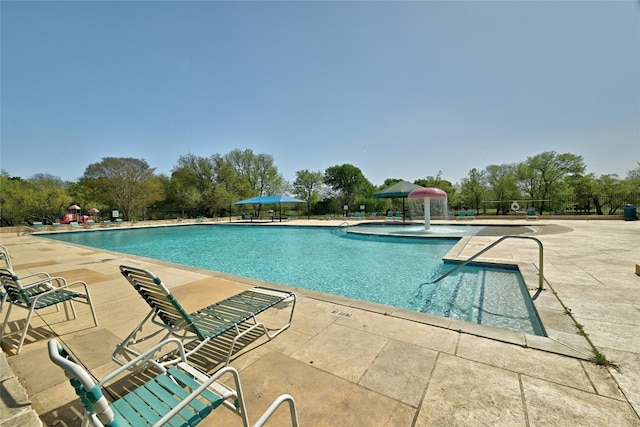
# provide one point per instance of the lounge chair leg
(124, 344)
(6, 320)
(93, 310)
(73, 310)
(272, 408)
(24, 332)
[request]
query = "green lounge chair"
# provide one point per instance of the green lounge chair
(38, 295)
(177, 396)
(236, 314)
(466, 214)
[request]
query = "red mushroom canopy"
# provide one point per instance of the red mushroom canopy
(422, 193)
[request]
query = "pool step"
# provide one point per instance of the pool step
(482, 296)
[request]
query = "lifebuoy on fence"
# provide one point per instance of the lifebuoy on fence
(515, 206)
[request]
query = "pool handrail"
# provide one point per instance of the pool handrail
(540, 260)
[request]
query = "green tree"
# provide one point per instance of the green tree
(502, 185)
(85, 196)
(258, 171)
(348, 184)
(13, 192)
(203, 185)
(542, 177)
(438, 182)
(633, 177)
(581, 189)
(608, 194)
(257, 174)
(46, 196)
(123, 182)
(308, 187)
(41, 197)
(473, 190)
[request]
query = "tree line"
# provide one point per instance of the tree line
(209, 185)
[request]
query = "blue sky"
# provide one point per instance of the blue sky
(398, 89)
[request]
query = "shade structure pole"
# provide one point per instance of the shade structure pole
(427, 213)
(403, 209)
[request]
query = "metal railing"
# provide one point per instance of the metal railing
(540, 260)
(341, 229)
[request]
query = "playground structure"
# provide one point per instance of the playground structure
(69, 217)
(75, 215)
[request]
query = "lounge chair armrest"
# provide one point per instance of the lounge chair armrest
(274, 406)
(50, 280)
(61, 283)
(42, 273)
(55, 353)
(145, 357)
(76, 284)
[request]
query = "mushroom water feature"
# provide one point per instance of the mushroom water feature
(427, 194)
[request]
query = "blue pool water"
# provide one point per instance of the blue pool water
(387, 269)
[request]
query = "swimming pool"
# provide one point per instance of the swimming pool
(389, 270)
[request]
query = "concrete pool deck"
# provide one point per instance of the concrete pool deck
(350, 363)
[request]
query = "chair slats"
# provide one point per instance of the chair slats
(124, 411)
(161, 401)
(194, 412)
(140, 406)
(196, 406)
(56, 298)
(187, 380)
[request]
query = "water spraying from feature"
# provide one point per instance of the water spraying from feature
(427, 194)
